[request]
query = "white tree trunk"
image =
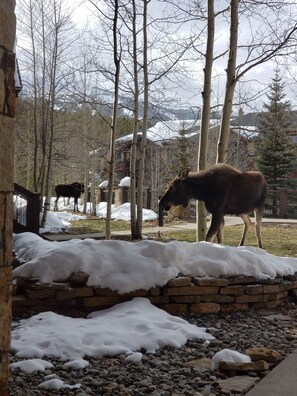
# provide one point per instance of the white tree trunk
(205, 116)
(230, 86)
(114, 122)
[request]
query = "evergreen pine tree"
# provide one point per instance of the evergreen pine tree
(275, 152)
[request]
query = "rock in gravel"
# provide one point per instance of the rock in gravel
(259, 365)
(184, 371)
(263, 353)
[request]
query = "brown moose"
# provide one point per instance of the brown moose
(224, 190)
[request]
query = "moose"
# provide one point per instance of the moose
(69, 190)
(224, 190)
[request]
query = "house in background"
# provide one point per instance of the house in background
(170, 143)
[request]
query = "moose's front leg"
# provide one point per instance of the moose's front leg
(217, 220)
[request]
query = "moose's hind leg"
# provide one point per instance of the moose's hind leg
(247, 224)
(259, 217)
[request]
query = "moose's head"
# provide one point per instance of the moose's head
(176, 193)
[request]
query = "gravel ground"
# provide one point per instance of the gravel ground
(172, 372)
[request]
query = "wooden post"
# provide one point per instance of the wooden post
(161, 217)
(7, 106)
(33, 221)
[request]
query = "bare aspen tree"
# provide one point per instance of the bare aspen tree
(205, 116)
(46, 27)
(230, 84)
(117, 65)
(52, 98)
(133, 175)
(263, 47)
(144, 122)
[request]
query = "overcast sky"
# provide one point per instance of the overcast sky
(192, 77)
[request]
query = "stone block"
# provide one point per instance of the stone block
(269, 289)
(174, 308)
(263, 353)
(278, 296)
(21, 301)
(271, 281)
(205, 308)
(189, 290)
(254, 289)
(155, 291)
(74, 293)
(257, 366)
(210, 281)
(218, 298)
(249, 298)
(181, 281)
(159, 300)
(238, 385)
(289, 285)
(242, 280)
(60, 286)
(137, 293)
(102, 301)
(78, 278)
(185, 299)
(104, 291)
(51, 302)
(6, 151)
(8, 23)
(40, 294)
(233, 290)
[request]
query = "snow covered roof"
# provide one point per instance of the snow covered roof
(166, 130)
(249, 132)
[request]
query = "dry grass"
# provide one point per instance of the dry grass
(278, 239)
(94, 225)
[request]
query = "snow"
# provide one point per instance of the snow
(104, 184)
(57, 222)
(229, 356)
(124, 329)
(127, 266)
(165, 130)
(249, 132)
(31, 365)
(125, 182)
(132, 328)
(77, 364)
(56, 383)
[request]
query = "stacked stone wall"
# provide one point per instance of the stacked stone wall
(182, 295)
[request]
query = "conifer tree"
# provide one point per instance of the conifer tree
(276, 152)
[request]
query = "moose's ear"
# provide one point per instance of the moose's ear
(184, 173)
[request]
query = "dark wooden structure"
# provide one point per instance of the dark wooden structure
(26, 211)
